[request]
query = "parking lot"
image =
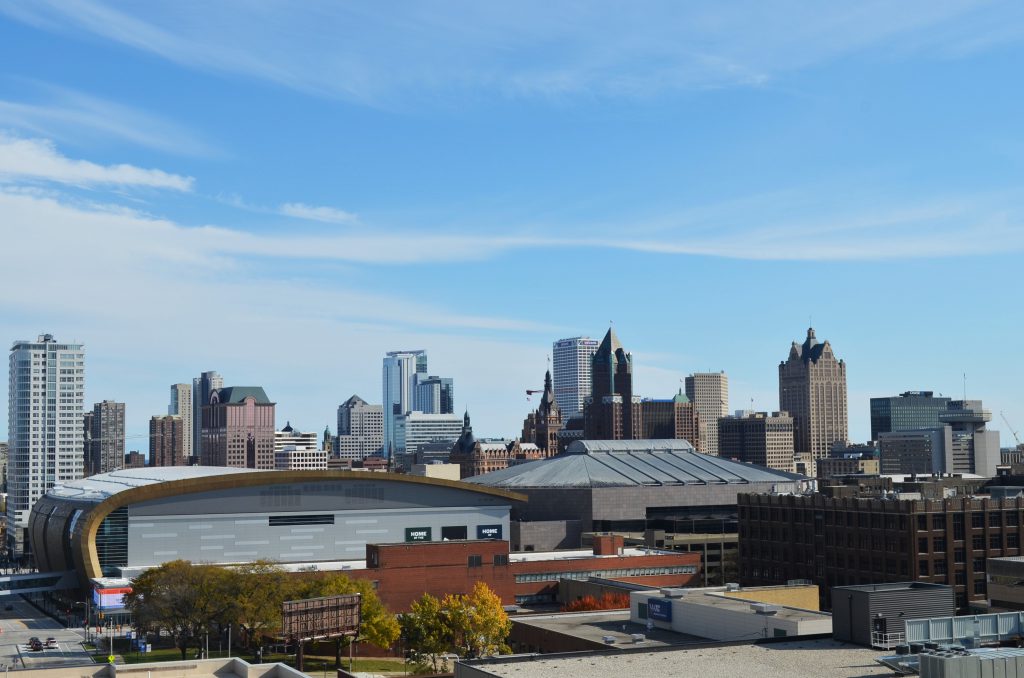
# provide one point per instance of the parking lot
(23, 622)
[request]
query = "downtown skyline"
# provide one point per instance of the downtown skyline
(181, 191)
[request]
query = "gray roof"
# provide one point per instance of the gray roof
(238, 394)
(623, 463)
(104, 485)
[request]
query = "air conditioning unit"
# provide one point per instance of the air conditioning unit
(673, 593)
(732, 586)
(764, 608)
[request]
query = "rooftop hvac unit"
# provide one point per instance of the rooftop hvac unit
(673, 593)
(637, 637)
(732, 586)
(764, 608)
(608, 640)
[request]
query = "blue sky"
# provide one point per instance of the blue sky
(284, 191)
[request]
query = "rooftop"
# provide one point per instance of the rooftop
(621, 463)
(104, 485)
(820, 658)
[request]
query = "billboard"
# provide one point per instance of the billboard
(109, 598)
(417, 534)
(659, 609)
(488, 531)
(327, 617)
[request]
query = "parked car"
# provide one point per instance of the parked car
(35, 645)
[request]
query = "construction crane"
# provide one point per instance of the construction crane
(1010, 426)
(533, 391)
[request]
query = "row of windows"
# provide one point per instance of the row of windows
(622, 572)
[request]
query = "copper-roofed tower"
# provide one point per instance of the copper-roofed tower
(238, 428)
(541, 426)
(812, 388)
(611, 413)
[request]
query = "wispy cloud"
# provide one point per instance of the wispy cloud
(330, 215)
(372, 53)
(69, 115)
(39, 160)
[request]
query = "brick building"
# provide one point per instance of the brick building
(403, 572)
(476, 457)
(541, 426)
(848, 540)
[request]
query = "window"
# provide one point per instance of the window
(995, 541)
(938, 522)
(922, 545)
(959, 555)
(978, 542)
(979, 586)
(284, 521)
(476, 561)
(453, 532)
(922, 522)
(995, 519)
(979, 565)
(922, 567)
(940, 567)
(977, 520)
(939, 544)
(501, 559)
(1012, 540)
(960, 578)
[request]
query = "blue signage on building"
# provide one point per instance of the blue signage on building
(660, 609)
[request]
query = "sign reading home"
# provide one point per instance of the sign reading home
(659, 609)
(488, 531)
(417, 534)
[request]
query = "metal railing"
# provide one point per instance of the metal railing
(886, 641)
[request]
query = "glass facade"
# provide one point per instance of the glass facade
(906, 412)
(112, 542)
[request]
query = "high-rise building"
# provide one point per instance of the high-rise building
(613, 412)
(907, 411)
(360, 429)
(167, 441)
(959, 444)
(759, 438)
(812, 389)
(238, 428)
(434, 395)
(675, 418)
(181, 405)
(45, 402)
(541, 426)
(134, 459)
(709, 393)
(105, 449)
(416, 428)
(202, 387)
(399, 384)
(571, 366)
(292, 437)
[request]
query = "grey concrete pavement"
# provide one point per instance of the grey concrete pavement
(23, 622)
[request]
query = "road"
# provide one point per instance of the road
(24, 621)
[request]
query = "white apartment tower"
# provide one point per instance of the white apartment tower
(45, 411)
(571, 365)
(399, 382)
(181, 405)
(709, 393)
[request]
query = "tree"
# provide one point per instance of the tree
(478, 622)
(258, 588)
(425, 634)
(470, 625)
(185, 599)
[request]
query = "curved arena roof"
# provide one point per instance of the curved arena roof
(105, 485)
(624, 463)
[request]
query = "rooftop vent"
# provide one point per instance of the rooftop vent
(732, 586)
(764, 608)
(673, 593)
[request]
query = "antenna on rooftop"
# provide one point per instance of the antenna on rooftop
(965, 386)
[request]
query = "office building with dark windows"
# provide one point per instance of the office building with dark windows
(869, 536)
(907, 411)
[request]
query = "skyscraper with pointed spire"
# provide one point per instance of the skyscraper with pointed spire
(612, 413)
(812, 389)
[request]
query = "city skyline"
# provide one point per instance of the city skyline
(481, 182)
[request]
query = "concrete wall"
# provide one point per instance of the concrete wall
(546, 535)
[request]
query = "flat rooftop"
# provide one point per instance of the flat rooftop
(716, 599)
(580, 554)
(820, 658)
(595, 626)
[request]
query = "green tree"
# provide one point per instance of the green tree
(186, 600)
(425, 634)
(258, 588)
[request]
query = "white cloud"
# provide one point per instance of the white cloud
(68, 115)
(373, 52)
(331, 215)
(39, 160)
